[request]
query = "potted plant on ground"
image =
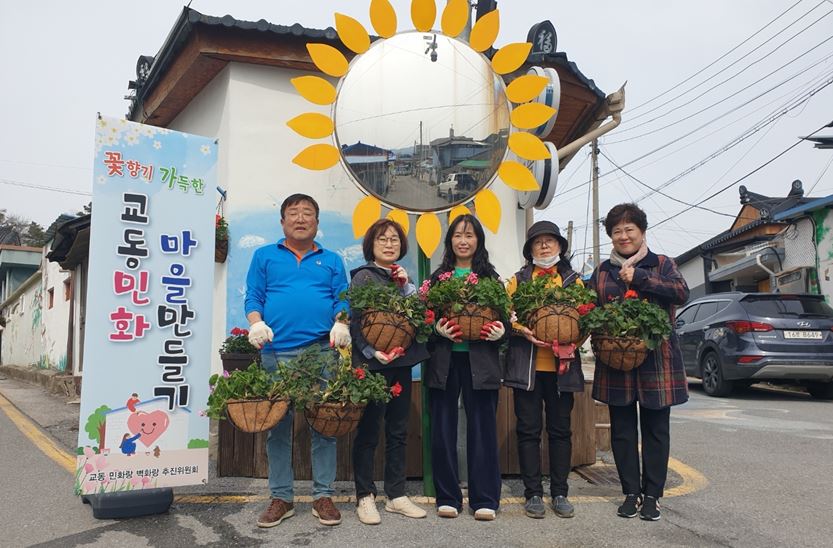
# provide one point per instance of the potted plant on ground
(220, 239)
(254, 399)
(470, 302)
(552, 312)
(389, 320)
(237, 352)
(624, 330)
(331, 393)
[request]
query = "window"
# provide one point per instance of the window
(67, 289)
(50, 297)
(778, 305)
(687, 315)
(706, 310)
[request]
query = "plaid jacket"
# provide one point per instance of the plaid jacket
(661, 380)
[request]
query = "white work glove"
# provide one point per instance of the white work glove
(492, 331)
(386, 358)
(260, 334)
(399, 274)
(449, 329)
(340, 335)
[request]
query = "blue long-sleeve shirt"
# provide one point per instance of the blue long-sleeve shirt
(298, 298)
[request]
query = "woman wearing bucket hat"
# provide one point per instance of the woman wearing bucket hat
(659, 382)
(540, 378)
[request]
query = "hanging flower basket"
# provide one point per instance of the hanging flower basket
(257, 415)
(220, 251)
(471, 320)
(387, 330)
(334, 419)
(621, 353)
(555, 322)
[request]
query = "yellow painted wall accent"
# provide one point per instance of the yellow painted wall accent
(487, 206)
(401, 217)
(315, 89)
(528, 146)
(328, 59)
(383, 18)
(455, 17)
(423, 14)
(531, 115)
(484, 32)
(312, 125)
(428, 233)
(510, 57)
(526, 88)
(317, 157)
(517, 176)
(352, 33)
(367, 212)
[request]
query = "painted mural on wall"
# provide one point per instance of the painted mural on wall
(824, 245)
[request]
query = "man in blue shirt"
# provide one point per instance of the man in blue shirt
(293, 302)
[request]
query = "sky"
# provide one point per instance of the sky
(64, 62)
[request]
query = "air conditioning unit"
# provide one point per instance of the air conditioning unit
(793, 281)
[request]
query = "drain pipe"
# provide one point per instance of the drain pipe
(615, 103)
(766, 269)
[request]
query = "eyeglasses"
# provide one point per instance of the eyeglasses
(549, 242)
(382, 241)
(300, 215)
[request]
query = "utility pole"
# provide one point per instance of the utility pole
(595, 175)
(569, 238)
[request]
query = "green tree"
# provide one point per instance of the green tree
(35, 235)
(95, 426)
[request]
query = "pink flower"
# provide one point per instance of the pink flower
(88, 452)
(226, 374)
(89, 487)
(135, 481)
(423, 289)
(445, 276)
(100, 463)
(88, 468)
(145, 480)
(396, 389)
(471, 278)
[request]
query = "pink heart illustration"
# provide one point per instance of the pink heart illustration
(149, 425)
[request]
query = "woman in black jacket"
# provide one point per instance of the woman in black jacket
(542, 379)
(472, 368)
(383, 245)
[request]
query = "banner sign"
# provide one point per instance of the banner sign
(147, 346)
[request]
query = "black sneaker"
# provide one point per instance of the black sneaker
(534, 507)
(630, 508)
(650, 509)
(562, 507)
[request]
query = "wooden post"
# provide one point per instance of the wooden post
(424, 271)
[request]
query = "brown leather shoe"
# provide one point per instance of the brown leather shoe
(277, 511)
(326, 511)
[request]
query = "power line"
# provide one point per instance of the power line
(730, 96)
(649, 187)
(43, 187)
(821, 174)
(733, 183)
(750, 131)
(722, 57)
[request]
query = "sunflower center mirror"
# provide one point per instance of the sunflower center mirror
(421, 121)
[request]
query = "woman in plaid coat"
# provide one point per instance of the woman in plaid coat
(659, 382)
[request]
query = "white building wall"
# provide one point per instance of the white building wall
(22, 340)
(55, 319)
(208, 114)
(694, 276)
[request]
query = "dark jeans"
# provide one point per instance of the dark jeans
(481, 439)
(395, 413)
(656, 445)
(528, 408)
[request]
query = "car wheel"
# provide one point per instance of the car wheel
(821, 390)
(713, 382)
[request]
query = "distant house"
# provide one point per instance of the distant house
(173, 436)
(371, 164)
(20, 293)
(760, 246)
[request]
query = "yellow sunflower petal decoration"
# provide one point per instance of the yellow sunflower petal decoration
(521, 93)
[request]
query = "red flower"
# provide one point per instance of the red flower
(359, 373)
(236, 331)
(631, 294)
(611, 298)
(244, 332)
(217, 220)
(585, 308)
(429, 317)
(396, 389)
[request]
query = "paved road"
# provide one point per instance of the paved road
(410, 190)
(766, 456)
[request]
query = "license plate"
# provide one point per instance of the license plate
(802, 335)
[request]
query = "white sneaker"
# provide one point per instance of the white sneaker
(367, 512)
(404, 506)
(484, 514)
(446, 511)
